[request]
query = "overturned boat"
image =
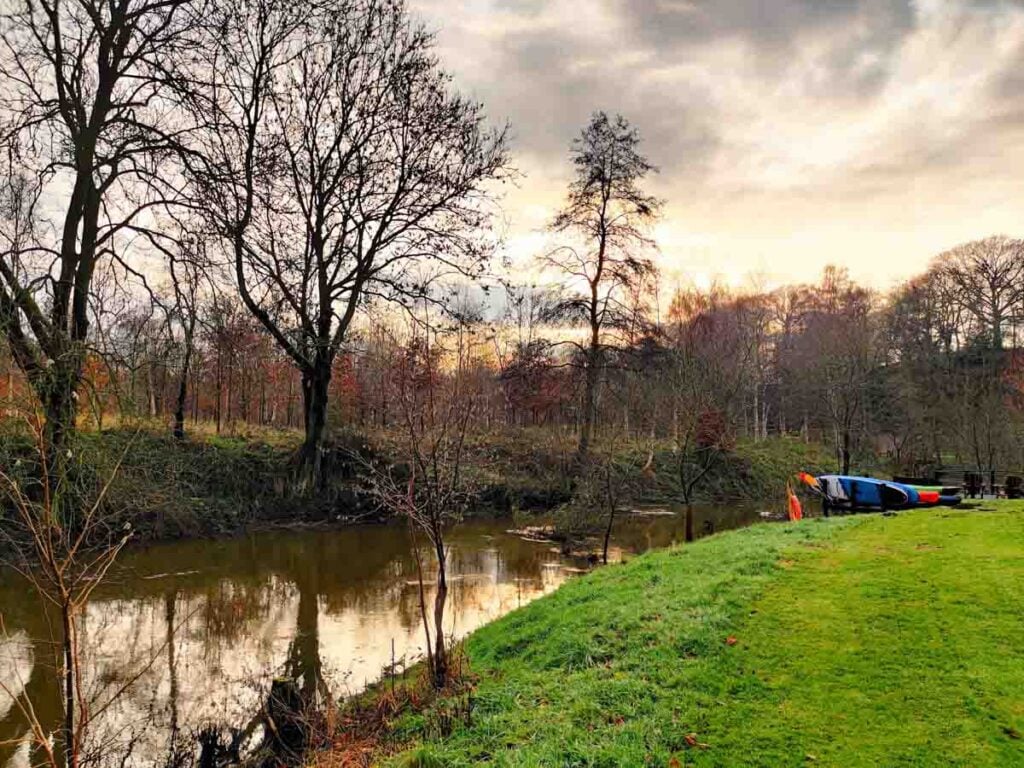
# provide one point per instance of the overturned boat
(860, 494)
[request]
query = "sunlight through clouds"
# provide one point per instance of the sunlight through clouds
(789, 134)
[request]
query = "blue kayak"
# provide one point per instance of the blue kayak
(869, 493)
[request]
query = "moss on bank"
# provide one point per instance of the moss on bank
(205, 485)
(211, 485)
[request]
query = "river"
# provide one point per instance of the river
(199, 628)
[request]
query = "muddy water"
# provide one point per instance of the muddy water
(199, 628)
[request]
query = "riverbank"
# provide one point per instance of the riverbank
(213, 485)
(858, 641)
(335, 605)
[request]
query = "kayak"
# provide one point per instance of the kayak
(851, 493)
(942, 490)
(949, 496)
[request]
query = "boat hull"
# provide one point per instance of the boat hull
(865, 494)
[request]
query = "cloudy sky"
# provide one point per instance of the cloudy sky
(790, 134)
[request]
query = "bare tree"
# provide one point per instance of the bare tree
(433, 492)
(608, 481)
(708, 356)
(845, 353)
(88, 124)
(986, 277)
(607, 214)
(64, 553)
(921, 332)
(523, 356)
(791, 306)
(187, 267)
(343, 162)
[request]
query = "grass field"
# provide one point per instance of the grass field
(865, 641)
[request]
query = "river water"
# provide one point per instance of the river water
(199, 628)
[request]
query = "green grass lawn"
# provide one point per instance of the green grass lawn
(864, 641)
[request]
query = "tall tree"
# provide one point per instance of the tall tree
(986, 277)
(344, 169)
(920, 329)
(88, 125)
(844, 356)
(607, 216)
(186, 269)
(432, 490)
(705, 369)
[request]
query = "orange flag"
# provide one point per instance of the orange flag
(809, 480)
(796, 512)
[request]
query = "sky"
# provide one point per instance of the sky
(789, 134)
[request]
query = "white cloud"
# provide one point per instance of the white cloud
(868, 133)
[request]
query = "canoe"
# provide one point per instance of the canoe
(949, 496)
(851, 493)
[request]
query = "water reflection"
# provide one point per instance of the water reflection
(199, 628)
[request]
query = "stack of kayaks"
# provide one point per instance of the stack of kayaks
(843, 492)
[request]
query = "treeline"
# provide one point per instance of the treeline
(246, 212)
(928, 374)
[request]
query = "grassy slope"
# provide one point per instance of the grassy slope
(865, 641)
(531, 465)
(755, 470)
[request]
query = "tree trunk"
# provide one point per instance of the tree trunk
(289, 403)
(219, 387)
(229, 388)
(196, 396)
(757, 415)
(608, 534)
(846, 452)
(689, 523)
(315, 388)
(151, 390)
(684, 483)
(589, 414)
(56, 390)
(179, 408)
(610, 500)
(60, 409)
(440, 669)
